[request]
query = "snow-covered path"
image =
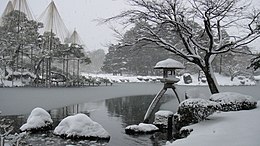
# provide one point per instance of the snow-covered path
(240, 128)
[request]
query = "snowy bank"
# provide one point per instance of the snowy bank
(141, 128)
(39, 119)
(222, 80)
(240, 128)
(81, 126)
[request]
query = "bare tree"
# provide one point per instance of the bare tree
(182, 17)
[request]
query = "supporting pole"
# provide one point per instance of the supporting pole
(22, 62)
(157, 99)
(67, 71)
(42, 72)
(153, 104)
(63, 67)
(78, 72)
(173, 88)
(46, 72)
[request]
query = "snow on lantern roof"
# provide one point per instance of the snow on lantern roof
(169, 64)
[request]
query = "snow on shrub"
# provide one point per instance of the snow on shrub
(231, 101)
(82, 127)
(141, 128)
(39, 119)
(194, 110)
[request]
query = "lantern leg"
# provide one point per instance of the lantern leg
(153, 104)
(176, 94)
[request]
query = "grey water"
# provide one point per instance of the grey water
(114, 107)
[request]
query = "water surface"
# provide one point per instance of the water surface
(113, 114)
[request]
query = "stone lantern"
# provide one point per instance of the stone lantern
(169, 67)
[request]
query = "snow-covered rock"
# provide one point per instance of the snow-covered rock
(39, 119)
(81, 126)
(141, 128)
(161, 118)
(191, 111)
(231, 101)
(187, 78)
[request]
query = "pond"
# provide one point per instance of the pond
(113, 114)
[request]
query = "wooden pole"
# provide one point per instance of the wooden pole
(46, 72)
(78, 72)
(63, 67)
(67, 70)
(42, 71)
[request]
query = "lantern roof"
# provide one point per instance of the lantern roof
(169, 64)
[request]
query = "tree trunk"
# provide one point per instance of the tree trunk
(211, 82)
(220, 64)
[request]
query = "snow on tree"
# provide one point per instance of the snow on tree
(18, 35)
(255, 62)
(191, 21)
(39, 119)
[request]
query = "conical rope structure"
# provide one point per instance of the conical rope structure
(22, 6)
(75, 38)
(19, 5)
(9, 8)
(53, 22)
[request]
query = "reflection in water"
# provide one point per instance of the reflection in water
(132, 109)
(113, 114)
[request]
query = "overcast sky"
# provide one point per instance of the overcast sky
(80, 14)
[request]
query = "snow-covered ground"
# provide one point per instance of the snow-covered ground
(240, 128)
(222, 80)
